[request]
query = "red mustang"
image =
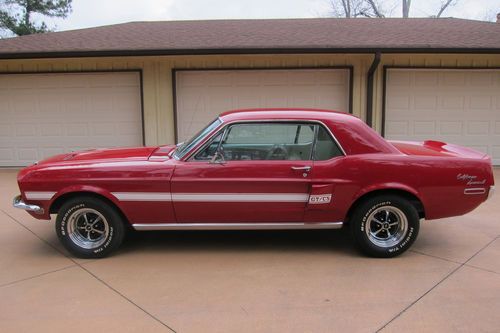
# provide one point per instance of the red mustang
(259, 169)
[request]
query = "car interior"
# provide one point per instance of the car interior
(271, 141)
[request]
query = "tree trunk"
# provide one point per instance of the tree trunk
(406, 8)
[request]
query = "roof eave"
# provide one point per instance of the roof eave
(232, 51)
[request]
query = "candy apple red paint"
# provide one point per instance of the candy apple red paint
(259, 169)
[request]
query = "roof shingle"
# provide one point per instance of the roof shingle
(262, 36)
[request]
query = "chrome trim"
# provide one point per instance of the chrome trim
(475, 190)
(302, 168)
(237, 226)
(19, 203)
(491, 192)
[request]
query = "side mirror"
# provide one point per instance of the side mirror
(218, 157)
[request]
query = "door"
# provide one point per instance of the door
(47, 114)
(451, 105)
(261, 175)
(202, 94)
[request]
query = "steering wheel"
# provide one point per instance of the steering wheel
(277, 152)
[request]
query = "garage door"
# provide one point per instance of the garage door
(46, 114)
(456, 106)
(202, 95)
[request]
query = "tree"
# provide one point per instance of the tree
(16, 16)
(406, 8)
(444, 5)
(373, 8)
(355, 8)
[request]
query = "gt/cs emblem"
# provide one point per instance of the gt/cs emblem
(320, 199)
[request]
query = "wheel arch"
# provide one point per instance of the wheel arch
(404, 193)
(59, 201)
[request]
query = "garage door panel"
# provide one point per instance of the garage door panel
(456, 106)
(202, 95)
(47, 114)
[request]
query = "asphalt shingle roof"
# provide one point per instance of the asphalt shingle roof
(262, 36)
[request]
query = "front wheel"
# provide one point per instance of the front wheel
(89, 227)
(385, 226)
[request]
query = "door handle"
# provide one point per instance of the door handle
(301, 168)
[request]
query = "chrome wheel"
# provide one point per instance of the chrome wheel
(386, 226)
(88, 228)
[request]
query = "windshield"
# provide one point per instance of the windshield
(185, 147)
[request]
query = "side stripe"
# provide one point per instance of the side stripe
(241, 197)
(37, 195)
(143, 196)
(194, 197)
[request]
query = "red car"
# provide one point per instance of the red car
(259, 169)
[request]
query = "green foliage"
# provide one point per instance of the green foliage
(16, 15)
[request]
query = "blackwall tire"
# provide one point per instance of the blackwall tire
(385, 226)
(89, 228)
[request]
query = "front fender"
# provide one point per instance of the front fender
(84, 189)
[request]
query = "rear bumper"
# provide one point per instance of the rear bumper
(19, 203)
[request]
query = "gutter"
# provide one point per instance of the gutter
(234, 51)
(369, 88)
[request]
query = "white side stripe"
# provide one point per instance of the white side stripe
(143, 196)
(36, 195)
(212, 197)
(241, 197)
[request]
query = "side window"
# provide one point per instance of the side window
(269, 141)
(325, 148)
(209, 150)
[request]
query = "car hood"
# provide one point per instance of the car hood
(129, 154)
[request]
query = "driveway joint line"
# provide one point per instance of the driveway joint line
(436, 257)
(36, 276)
(482, 269)
(125, 297)
(436, 285)
(89, 272)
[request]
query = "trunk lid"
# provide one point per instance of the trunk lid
(436, 148)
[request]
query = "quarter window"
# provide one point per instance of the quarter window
(325, 148)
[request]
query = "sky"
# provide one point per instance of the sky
(89, 13)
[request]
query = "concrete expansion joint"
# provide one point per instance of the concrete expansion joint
(438, 283)
(77, 264)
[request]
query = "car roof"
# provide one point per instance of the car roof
(286, 114)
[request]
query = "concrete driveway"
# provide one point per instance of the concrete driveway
(250, 281)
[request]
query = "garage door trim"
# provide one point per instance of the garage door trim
(141, 85)
(350, 69)
(388, 67)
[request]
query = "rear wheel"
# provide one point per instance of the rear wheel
(385, 226)
(89, 227)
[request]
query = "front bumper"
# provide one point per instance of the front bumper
(491, 192)
(19, 203)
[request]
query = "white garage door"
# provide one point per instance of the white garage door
(456, 106)
(203, 95)
(47, 114)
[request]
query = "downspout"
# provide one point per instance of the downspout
(369, 89)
